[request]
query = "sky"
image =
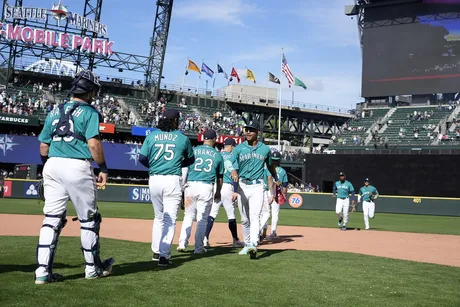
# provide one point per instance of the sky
(320, 43)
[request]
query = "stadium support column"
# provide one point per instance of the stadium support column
(13, 46)
(158, 42)
(91, 11)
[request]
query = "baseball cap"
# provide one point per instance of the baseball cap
(254, 124)
(209, 134)
(366, 180)
(171, 114)
(276, 155)
(229, 141)
(341, 174)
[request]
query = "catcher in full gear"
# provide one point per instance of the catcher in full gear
(69, 143)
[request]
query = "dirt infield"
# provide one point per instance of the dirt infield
(429, 248)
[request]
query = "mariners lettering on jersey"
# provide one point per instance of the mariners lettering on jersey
(248, 156)
(165, 137)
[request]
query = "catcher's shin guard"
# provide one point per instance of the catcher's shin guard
(90, 242)
(47, 244)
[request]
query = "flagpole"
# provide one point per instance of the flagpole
(241, 93)
(183, 78)
(279, 107)
(214, 81)
(228, 84)
(199, 78)
(266, 96)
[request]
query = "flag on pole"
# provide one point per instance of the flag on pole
(272, 78)
(207, 70)
(287, 71)
(250, 75)
(221, 71)
(235, 74)
(193, 67)
(299, 82)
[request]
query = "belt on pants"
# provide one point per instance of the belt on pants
(202, 182)
(342, 197)
(249, 182)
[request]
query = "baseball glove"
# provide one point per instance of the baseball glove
(41, 190)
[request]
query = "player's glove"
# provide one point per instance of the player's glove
(41, 190)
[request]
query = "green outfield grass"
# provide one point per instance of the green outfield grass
(289, 217)
(223, 278)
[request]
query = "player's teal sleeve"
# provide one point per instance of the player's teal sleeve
(283, 178)
(220, 168)
(145, 149)
(375, 191)
(360, 192)
(268, 160)
(45, 135)
(92, 128)
(351, 188)
(229, 164)
(188, 149)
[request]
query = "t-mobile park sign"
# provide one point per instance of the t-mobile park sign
(56, 39)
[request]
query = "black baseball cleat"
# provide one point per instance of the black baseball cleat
(252, 252)
(163, 262)
(156, 257)
(343, 228)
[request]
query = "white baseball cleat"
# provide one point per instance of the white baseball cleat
(181, 248)
(237, 243)
(206, 242)
(367, 228)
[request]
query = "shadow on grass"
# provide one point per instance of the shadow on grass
(30, 268)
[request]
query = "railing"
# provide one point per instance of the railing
(255, 100)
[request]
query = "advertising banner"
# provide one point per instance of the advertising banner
(18, 120)
(141, 131)
(25, 150)
(106, 128)
(7, 188)
(222, 138)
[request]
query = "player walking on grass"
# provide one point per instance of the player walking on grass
(165, 152)
(229, 197)
(251, 157)
(207, 170)
(282, 176)
(268, 200)
(368, 194)
(342, 189)
(69, 144)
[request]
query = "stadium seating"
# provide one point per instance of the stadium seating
(414, 125)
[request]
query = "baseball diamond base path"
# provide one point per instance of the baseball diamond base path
(429, 248)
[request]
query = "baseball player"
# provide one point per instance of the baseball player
(268, 199)
(342, 189)
(199, 192)
(229, 197)
(368, 194)
(251, 157)
(69, 142)
(282, 176)
(165, 152)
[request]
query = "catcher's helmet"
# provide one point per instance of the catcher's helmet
(86, 81)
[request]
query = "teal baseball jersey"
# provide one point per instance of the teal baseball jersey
(266, 175)
(166, 151)
(367, 192)
(343, 189)
(227, 175)
(208, 164)
(85, 121)
(282, 175)
(251, 160)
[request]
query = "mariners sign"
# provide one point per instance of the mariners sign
(51, 38)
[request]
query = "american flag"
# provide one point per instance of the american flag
(287, 71)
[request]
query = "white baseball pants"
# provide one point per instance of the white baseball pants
(265, 214)
(166, 194)
(198, 203)
(275, 216)
(226, 200)
(368, 210)
(250, 206)
(341, 208)
(63, 179)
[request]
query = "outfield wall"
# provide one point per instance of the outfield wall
(301, 201)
